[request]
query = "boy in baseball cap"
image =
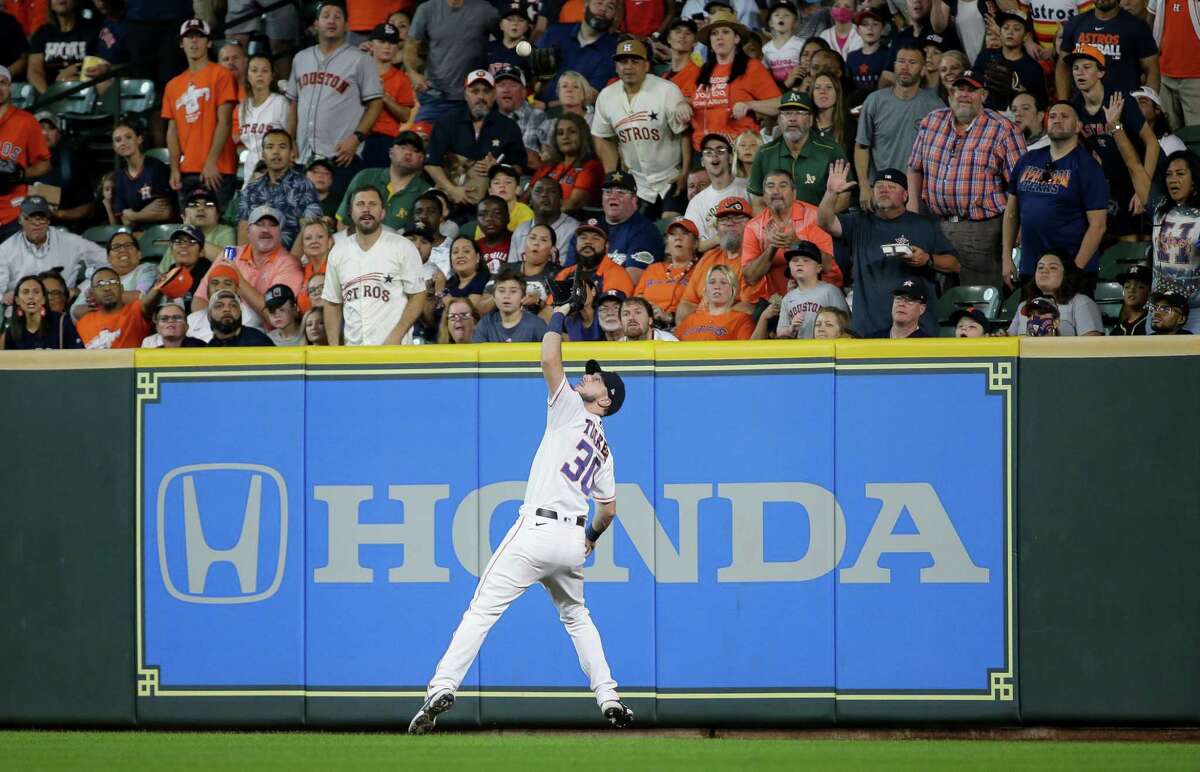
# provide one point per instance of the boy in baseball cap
(1134, 318)
(970, 322)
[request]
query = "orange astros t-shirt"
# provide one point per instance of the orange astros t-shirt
(396, 85)
(22, 142)
(124, 328)
(694, 293)
(663, 284)
(191, 100)
(712, 106)
(701, 325)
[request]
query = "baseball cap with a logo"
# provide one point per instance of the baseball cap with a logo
(619, 180)
(631, 48)
(385, 33)
(509, 72)
(35, 205)
(615, 295)
(686, 224)
(733, 205)
(612, 384)
(892, 175)
(970, 78)
(278, 296)
(1172, 297)
(1040, 305)
(476, 76)
(795, 100)
(911, 288)
(972, 313)
(803, 249)
(594, 225)
(194, 27)
(1138, 272)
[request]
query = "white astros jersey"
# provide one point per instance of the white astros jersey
(251, 123)
(373, 286)
(573, 463)
(330, 92)
(646, 131)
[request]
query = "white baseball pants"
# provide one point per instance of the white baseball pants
(536, 549)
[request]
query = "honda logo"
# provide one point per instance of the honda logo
(205, 502)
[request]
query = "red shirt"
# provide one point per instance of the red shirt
(642, 17)
(804, 224)
(396, 85)
(495, 253)
(589, 176)
(22, 142)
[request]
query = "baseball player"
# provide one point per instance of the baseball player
(335, 95)
(550, 540)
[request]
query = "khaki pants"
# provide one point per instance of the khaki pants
(978, 245)
(1181, 101)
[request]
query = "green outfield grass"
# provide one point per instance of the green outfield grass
(520, 751)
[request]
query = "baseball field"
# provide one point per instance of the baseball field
(210, 751)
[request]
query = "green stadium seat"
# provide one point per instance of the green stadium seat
(155, 241)
(137, 96)
(77, 105)
(161, 153)
(1190, 135)
(1117, 258)
(100, 234)
(1009, 309)
(1110, 296)
(23, 95)
(985, 298)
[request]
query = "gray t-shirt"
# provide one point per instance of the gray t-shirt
(800, 307)
(278, 338)
(457, 39)
(889, 126)
(490, 329)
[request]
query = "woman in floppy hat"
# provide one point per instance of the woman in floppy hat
(730, 88)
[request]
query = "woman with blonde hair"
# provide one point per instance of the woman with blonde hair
(719, 320)
(745, 146)
(576, 96)
(832, 322)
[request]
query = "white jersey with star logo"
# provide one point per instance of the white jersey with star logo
(373, 286)
(573, 462)
(646, 130)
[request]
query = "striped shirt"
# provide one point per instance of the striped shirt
(966, 174)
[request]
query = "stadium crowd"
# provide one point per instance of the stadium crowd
(366, 172)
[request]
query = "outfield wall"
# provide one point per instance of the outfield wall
(807, 534)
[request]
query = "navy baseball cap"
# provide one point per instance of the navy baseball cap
(804, 249)
(278, 296)
(612, 382)
(892, 175)
(32, 205)
(191, 231)
(516, 8)
(1137, 272)
(609, 294)
(687, 23)
(410, 138)
(911, 288)
(325, 162)
(418, 228)
(1041, 305)
(1171, 296)
(973, 313)
(386, 33)
(593, 224)
(620, 180)
(509, 72)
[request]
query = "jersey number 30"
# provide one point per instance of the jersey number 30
(586, 464)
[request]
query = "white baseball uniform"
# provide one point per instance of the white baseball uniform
(646, 130)
(373, 286)
(572, 464)
(251, 123)
(330, 92)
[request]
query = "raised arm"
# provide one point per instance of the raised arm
(1137, 172)
(552, 366)
(836, 185)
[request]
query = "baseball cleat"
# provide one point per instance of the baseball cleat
(426, 717)
(618, 714)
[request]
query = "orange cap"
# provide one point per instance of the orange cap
(1086, 51)
(226, 270)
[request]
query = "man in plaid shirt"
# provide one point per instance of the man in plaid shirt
(960, 168)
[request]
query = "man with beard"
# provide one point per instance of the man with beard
(634, 242)
(116, 322)
(776, 229)
(447, 39)
(402, 181)
(733, 214)
(961, 168)
(545, 199)
(374, 281)
(887, 125)
(1059, 200)
(262, 263)
(591, 244)
(586, 48)
(223, 276)
(637, 324)
(511, 99)
(1169, 312)
(716, 156)
(888, 245)
(480, 135)
(796, 151)
(225, 319)
(637, 124)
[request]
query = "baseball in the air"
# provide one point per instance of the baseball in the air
(524, 48)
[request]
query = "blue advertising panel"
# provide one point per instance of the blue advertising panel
(529, 651)
(745, 477)
(221, 580)
(923, 592)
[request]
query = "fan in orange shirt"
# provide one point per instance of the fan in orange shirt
(731, 87)
(732, 213)
(591, 251)
(721, 321)
(663, 283)
(117, 323)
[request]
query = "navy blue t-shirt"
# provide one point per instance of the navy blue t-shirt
(865, 69)
(593, 61)
(635, 243)
(1054, 199)
(1028, 76)
(158, 10)
(498, 135)
(1094, 132)
(135, 192)
(1124, 39)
